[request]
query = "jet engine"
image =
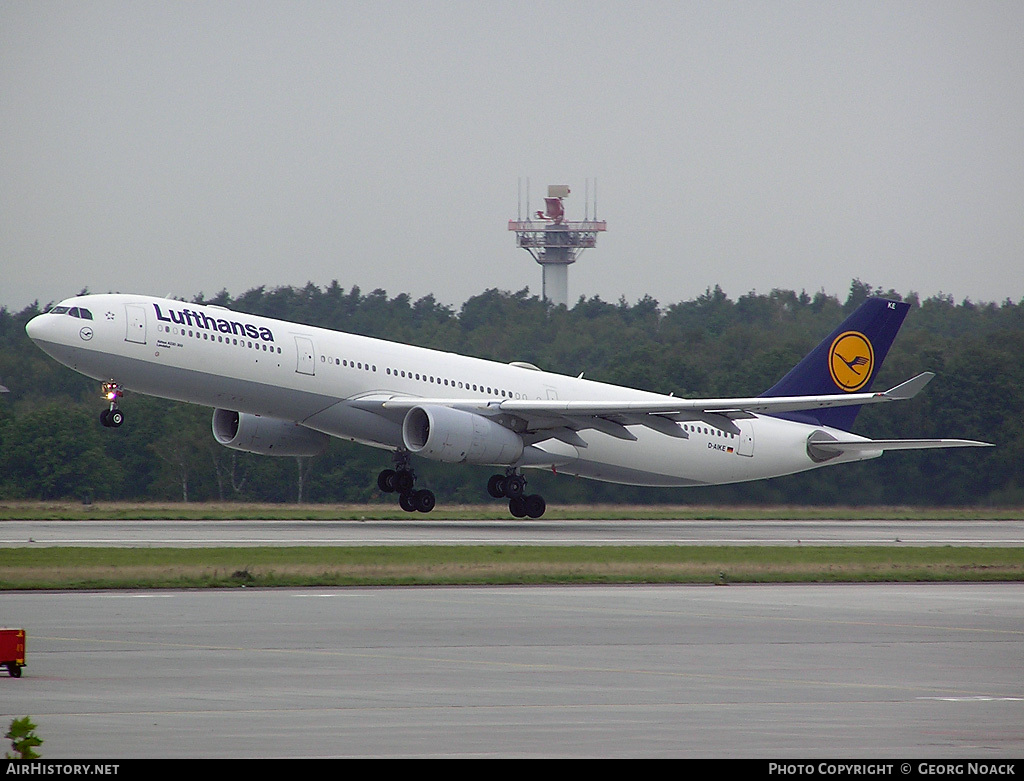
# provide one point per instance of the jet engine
(455, 436)
(266, 436)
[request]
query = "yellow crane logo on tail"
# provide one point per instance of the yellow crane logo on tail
(851, 360)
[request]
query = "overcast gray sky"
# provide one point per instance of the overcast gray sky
(186, 147)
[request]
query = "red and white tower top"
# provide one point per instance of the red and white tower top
(555, 242)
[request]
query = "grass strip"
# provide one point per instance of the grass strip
(134, 568)
(387, 510)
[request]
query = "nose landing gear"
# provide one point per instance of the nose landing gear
(112, 417)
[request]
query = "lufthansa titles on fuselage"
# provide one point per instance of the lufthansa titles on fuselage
(202, 320)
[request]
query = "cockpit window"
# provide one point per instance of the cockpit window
(76, 311)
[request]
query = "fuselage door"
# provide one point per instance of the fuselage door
(746, 445)
(136, 323)
(306, 359)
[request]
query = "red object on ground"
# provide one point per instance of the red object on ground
(12, 650)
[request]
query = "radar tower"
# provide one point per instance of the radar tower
(555, 242)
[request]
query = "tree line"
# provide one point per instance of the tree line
(52, 445)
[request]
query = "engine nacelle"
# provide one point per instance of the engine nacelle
(266, 436)
(455, 436)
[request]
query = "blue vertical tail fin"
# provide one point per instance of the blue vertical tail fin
(845, 362)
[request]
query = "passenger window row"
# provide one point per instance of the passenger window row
(710, 431)
(229, 340)
(349, 364)
(409, 375)
(453, 384)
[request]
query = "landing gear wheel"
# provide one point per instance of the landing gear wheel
(535, 505)
(112, 418)
(514, 486)
(509, 485)
(496, 486)
(517, 506)
(386, 481)
(424, 500)
(407, 503)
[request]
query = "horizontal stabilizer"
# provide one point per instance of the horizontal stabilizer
(910, 388)
(896, 444)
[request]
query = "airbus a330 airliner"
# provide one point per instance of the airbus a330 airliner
(281, 388)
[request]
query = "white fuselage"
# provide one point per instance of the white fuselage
(315, 377)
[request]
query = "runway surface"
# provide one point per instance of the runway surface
(509, 532)
(857, 671)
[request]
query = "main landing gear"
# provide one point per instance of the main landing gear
(513, 486)
(112, 417)
(401, 479)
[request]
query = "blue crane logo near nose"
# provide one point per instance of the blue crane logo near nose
(86, 333)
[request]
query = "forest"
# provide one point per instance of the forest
(52, 445)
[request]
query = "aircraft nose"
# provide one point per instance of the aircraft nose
(36, 328)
